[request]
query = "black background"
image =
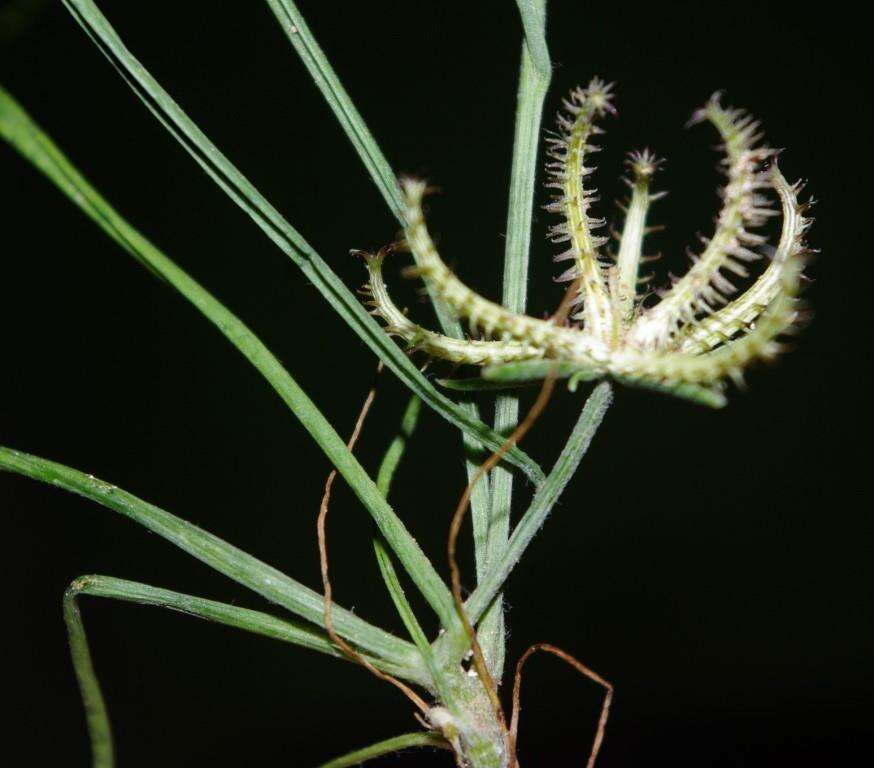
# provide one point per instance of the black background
(716, 566)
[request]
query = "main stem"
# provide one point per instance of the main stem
(489, 748)
(534, 77)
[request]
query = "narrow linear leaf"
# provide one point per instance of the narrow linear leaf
(227, 559)
(712, 396)
(404, 609)
(389, 464)
(438, 681)
(25, 136)
(544, 500)
(587, 425)
(387, 468)
(326, 80)
(533, 85)
(257, 622)
(535, 370)
(479, 384)
(407, 741)
(272, 223)
(97, 716)
(305, 45)
(347, 115)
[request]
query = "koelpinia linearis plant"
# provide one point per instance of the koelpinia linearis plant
(688, 343)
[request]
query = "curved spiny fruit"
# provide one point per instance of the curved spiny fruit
(569, 150)
(744, 207)
(461, 351)
(488, 316)
(689, 343)
(741, 313)
(643, 166)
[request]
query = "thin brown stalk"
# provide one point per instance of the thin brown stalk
(347, 649)
(582, 669)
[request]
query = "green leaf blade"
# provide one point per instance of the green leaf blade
(255, 622)
(307, 48)
(347, 115)
(286, 237)
(387, 747)
(23, 133)
(108, 587)
(225, 558)
(452, 647)
(587, 425)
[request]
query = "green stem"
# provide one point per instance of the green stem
(534, 78)
(533, 13)
(544, 500)
(451, 647)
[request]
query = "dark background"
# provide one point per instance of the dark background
(716, 566)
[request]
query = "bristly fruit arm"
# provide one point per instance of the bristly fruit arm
(682, 346)
(569, 151)
(460, 351)
(643, 166)
(721, 326)
(704, 287)
(761, 342)
(731, 358)
(548, 339)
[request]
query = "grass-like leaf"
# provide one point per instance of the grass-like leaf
(392, 458)
(349, 118)
(225, 558)
(395, 744)
(305, 45)
(96, 714)
(286, 237)
(526, 371)
(99, 728)
(257, 622)
(16, 127)
(544, 500)
(387, 469)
